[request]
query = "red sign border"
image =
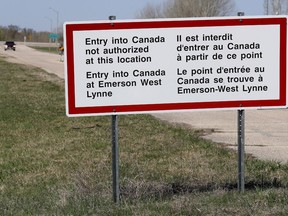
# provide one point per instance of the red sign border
(69, 28)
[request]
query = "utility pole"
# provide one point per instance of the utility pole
(50, 23)
(50, 30)
(57, 20)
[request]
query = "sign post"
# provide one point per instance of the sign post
(115, 159)
(241, 150)
(241, 144)
(115, 153)
(131, 67)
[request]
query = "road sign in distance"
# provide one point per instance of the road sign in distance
(53, 36)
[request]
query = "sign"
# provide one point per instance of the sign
(120, 67)
(53, 36)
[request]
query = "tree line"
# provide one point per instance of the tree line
(205, 8)
(168, 9)
(15, 33)
(276, 7)
(187, 8)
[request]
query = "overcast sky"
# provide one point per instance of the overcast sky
(38, 14)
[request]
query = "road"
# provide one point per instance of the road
(26, 55)
(266, 131)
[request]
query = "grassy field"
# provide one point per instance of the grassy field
(54, 165)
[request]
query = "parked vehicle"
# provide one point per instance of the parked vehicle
(10, 45)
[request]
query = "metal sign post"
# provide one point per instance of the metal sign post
(115, 159)
(241, 153)
(115, 152)
(241, 144)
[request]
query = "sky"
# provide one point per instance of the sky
(40, 15)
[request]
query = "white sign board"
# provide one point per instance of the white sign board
(181, 64)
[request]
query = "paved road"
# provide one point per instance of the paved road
(266, 131)
(266, 134)
(26, 55)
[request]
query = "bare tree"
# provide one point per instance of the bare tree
(150, 11)
(266, 7)
(189, 8)
(198, 8)
(275, 7)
